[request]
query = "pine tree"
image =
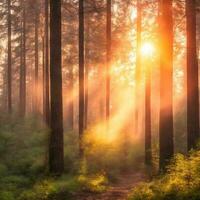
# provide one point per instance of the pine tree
(166, 74)
(138, 62)
(108, 51)
(81, 74)
(36, 98)
(9, 69)
(56, 152)
(46, 82)
(87, 60)
(22, 87)
(192, 77)
(148, 151)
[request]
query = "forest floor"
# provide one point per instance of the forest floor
(116, 191)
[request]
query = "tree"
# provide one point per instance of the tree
(192, 77)
(81, 74)
(138, 61)
(9, 69)
(166, 71)
(46, 82)
(87, 59)
(56, 152)
(36, 59)
(22, 92)
(43, 78)
(148, 155)
(108, 59)
(70, 118)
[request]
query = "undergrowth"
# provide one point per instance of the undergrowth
(180, 182)
(24, 162)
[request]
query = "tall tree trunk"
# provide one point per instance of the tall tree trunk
(56, 152)
(71, 103)
(108, 63)
(70, 88)
(166, 84)
(36, 99)
(81, 74)
(47, 103)
(192, 77)
(87, 58)
(4, 90)
(9, 72)
(148, 155)
(43, 78)
(22, 101)
(21, 68)
(138, 63)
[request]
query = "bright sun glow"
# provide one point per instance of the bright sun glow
(133, 14)
(147, 49)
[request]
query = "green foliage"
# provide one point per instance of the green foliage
(3, 170)
(71, 142)
(40, 191)
(181, 182)
(111, 157)
(24, 150)
(13, 180)
(52, 189)
(23, 146)
(95, 183)
(5, 195)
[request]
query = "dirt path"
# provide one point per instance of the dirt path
(117, 191)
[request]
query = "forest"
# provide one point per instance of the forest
(99, 100)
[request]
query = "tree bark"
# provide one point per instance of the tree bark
(192, 77)
(108, 58)
(87, 58)
(56, 152)
(9, 69)
(36, 98)
(81, 75)
(22, 92)
(166, 84)
(71, 103)
(148, 150)
(138, 63)
(47, 103)
(43, 78)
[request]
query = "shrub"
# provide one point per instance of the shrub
(95, 183)
(40, 191)
(181, 182)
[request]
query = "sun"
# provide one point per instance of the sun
(147, 49)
